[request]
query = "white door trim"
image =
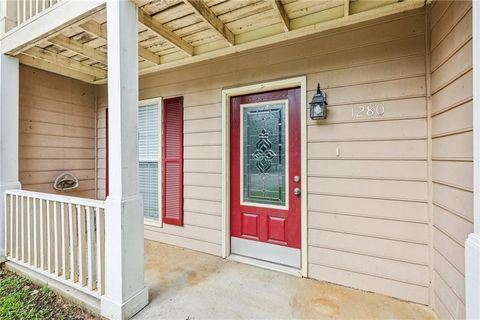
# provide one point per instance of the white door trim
(256, 88)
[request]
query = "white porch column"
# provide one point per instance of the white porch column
(125, 292)
(472, 245)
(9, 105)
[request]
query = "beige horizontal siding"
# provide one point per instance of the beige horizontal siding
(57, 131)
(368, 221)
(452, 169)
(102, 101)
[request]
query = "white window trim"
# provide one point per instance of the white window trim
(159, 102)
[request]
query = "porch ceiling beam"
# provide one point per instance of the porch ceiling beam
(211, 19)
(66, 62)
(165, 33)
(55, 68)
(100, 31)
(79, 48)
(280, 10)
(346, 8)
(321, 26)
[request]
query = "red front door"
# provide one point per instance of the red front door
(265, 168)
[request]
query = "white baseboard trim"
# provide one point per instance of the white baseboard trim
(272, 253)
(266, 265)
(472, 276)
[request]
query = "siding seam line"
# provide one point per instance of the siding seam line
(371, 236)
(455, 24)
(340, 213)
(386, 277)
(417, 263)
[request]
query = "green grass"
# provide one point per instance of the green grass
(22, 300)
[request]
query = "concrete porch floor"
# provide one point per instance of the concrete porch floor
(185, 284)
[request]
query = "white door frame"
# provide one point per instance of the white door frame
(257, 88)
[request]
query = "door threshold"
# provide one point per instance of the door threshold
(266, 265)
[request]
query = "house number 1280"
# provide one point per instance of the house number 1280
(368, 111)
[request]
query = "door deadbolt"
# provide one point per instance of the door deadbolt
(296, 179)
(296, 191)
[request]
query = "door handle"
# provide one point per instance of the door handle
(296, 191)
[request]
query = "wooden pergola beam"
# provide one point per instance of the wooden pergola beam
(100, 31)
(346, 8)
(79, 48)
(165, 33)
(280, 10)
(244, 45)
(211, 19)
(66, 62)
(55, 68)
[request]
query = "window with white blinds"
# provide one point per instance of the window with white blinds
(149, 155)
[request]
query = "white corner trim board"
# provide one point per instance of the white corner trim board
(472, 244)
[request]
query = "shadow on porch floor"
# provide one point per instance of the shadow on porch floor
(185, 284)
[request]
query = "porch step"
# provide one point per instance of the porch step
(77, 297)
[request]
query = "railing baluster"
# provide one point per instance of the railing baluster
(10, 226)
(19, 22)
(81, 246)
(42, 235)
(17, 227)
(24, 10)
(50, 252)
(90, 248)
(35, 243)
(22, 228)
(25, 229)
(57, 246)
(65, 272)
(28, 256)
(8, 221)
(100, 250)
(72, 232)
(29, 9)
(12, 221)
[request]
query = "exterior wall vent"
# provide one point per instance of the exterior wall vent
(66, 181)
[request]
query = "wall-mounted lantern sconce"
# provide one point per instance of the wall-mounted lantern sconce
(318, 106)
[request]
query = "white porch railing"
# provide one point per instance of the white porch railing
(61, 237)
(27, 9)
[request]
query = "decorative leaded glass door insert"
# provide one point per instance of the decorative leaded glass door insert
(264, 153)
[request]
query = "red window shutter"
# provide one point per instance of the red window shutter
(172, 157)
